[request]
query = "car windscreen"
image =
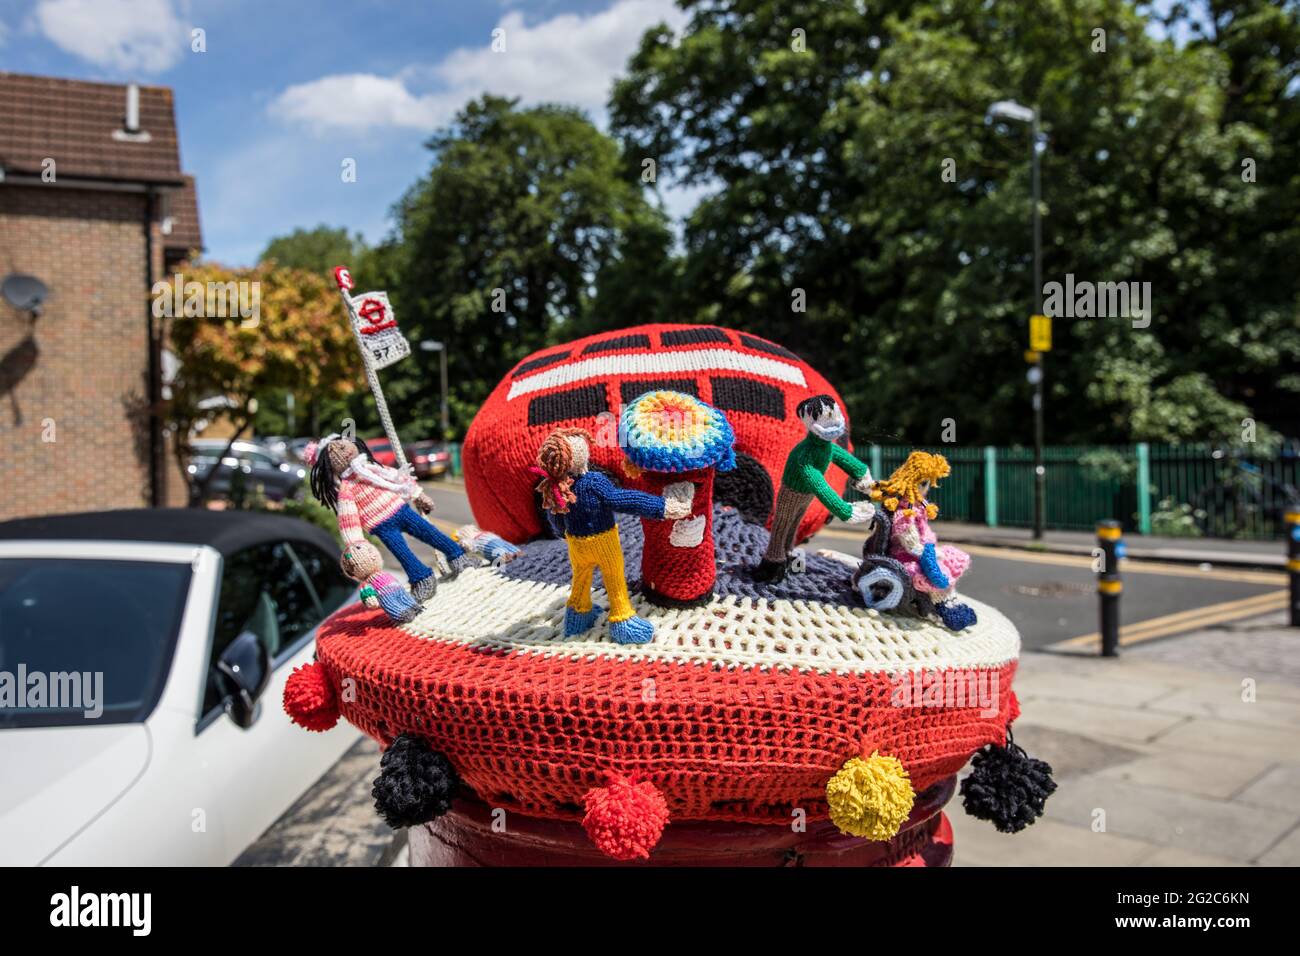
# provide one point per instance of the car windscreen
(86, 642)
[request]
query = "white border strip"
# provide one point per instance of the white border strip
(658, 363)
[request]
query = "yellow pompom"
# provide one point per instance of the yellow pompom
(870, 798)
(891, 503)
(932, 511)
(875, 494)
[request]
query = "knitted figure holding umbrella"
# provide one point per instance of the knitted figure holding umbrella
(804, 479)
(580, 505)
(674, 441)
(370, 498)
(933, 568)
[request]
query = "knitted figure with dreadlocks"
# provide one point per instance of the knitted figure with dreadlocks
(370, 498)
(933, 568)
(804, 479)
(580, 505)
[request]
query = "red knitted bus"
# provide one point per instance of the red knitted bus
(755, 382)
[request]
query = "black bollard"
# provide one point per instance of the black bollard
(1292, 519)
(1109, 586)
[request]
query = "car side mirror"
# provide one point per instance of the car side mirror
(246, 667)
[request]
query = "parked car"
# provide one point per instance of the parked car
(430, 459)
(187, 623)
(381, 450)
(277, 445)
(277, 477)
(297, 446)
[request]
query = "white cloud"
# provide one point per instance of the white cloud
(568, 59)
(140, 36)
(358, 101)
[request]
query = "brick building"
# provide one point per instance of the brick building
(93, 203)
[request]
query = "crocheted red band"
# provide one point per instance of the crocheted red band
(533, 732)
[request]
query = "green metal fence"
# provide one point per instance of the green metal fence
(1186, 490)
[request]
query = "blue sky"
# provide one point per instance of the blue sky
(286, 91)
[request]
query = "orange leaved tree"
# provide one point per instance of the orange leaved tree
(239, 333)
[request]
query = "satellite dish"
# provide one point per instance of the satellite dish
(25, 293)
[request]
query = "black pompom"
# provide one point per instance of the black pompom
(415, 783)
(1007, 787)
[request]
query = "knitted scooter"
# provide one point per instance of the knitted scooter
(804, 479)
(580, 505)
(370, 498)
(933, 568)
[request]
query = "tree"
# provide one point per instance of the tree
(524, 215)
(852, 166)
(296, 339)
(315, 250)
(318, 251)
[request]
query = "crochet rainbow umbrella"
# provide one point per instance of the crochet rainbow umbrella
(675, 432)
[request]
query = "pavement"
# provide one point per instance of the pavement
(1184, 750)
(1177, 753)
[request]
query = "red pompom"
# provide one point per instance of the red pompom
(309, 698)
(625, 819)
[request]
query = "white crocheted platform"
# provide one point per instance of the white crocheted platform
(485, 608)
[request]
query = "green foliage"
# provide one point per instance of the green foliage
(528, 218)
(827, 167)
(316, 250)
(1175, 519)
(1107, 464)
(307, 508)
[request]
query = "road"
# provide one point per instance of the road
(1052, 598)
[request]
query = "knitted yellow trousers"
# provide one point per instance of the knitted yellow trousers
(603, 551)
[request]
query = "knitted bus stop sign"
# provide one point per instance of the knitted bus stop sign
(741, 710)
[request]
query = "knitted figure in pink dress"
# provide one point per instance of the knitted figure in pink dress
(933, 569)
(370, 498)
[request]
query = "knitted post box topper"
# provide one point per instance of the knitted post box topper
(934, 569)
(372, 499)
(804, 480)
(674, 443)
(580, 505)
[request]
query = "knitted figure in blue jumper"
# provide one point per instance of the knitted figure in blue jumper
(580, 505)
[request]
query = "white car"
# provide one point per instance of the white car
(143, 655)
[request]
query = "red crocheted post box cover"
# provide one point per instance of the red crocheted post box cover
(740, 710)
(756, 383)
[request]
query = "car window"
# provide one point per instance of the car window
(93, 640)
(331, 585)
(263, 590)
(257, 458)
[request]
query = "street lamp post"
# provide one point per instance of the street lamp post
(1011, 110)
(429, 345)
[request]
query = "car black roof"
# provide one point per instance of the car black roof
(226, 531)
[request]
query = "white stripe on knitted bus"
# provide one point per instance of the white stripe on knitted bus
(658, 363)
(489, 611)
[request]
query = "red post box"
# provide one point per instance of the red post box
(673, 439)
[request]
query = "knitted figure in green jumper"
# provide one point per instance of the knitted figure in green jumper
(804, 479)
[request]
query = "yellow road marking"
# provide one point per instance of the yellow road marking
(1193, 619)
(1196, 613)
(1083, 561)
